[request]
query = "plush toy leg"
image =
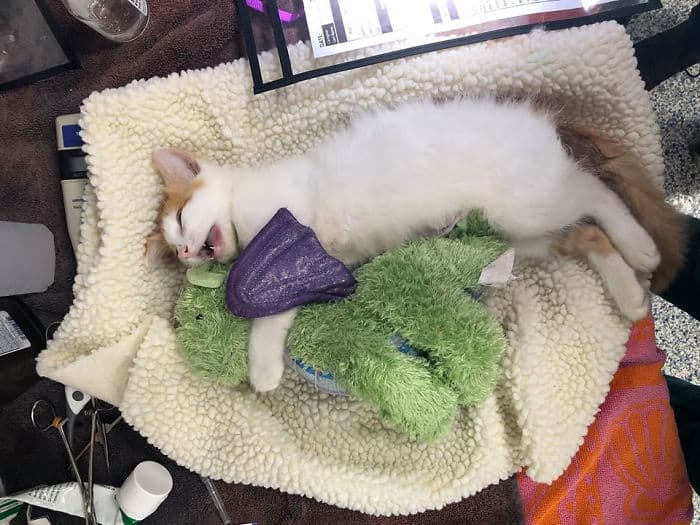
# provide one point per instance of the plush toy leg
(432, 311)
(363, 360)
(465, 347)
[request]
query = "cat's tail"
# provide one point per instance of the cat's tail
(623, 173)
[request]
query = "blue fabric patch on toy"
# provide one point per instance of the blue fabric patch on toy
(325, 382)
(285, 266)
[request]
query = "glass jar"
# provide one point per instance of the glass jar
(117, 20)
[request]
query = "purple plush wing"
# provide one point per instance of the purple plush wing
(284, 266)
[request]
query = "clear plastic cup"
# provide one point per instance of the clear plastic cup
(118, 20)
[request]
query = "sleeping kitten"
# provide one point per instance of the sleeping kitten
(392, 175)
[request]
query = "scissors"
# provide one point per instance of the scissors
(100, 437)
(43, 416)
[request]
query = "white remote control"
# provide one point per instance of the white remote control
(73, 172)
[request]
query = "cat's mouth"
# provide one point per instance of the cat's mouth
(213, 244)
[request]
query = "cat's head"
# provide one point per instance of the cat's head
(195, 223)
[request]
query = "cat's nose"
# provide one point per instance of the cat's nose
(183, 252)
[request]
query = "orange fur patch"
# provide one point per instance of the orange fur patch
(583, 239)
(176, 197)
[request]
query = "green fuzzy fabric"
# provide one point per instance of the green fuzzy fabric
(420, 292)
(212, 339)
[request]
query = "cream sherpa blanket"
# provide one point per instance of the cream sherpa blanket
(117, 342)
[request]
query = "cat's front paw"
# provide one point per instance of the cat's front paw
(265, 377)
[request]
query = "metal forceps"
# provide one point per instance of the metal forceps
(100, 436)
(44, 417)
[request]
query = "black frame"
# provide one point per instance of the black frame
(289, 77)
(59, 35)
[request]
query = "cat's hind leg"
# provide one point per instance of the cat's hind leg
(632, 241)
(589, 242)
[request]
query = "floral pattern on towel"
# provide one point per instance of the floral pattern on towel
(630, 467)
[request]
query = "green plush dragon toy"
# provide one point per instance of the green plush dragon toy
(413, 340)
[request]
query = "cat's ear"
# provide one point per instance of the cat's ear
(158, 251)
(175, 166)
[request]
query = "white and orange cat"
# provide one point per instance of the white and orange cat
(390, 176)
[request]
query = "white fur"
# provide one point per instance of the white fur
(394, 174)
(621, 281)
(268, 336)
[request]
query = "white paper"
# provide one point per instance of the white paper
(11, 336)
(337, 26)
(500, 271)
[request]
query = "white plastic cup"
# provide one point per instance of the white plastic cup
(144, 490)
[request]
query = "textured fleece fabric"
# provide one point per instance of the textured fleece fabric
(565, 336)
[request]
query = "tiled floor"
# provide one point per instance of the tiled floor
(677, 105)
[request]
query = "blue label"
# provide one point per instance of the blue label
(71, 139)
